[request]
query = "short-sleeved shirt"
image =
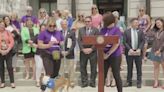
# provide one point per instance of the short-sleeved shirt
(47, 36)
(16, 24)
(112, 31)
(34, 19)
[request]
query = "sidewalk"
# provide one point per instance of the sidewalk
(79, 89)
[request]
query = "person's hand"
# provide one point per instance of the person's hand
(89, 50)
(34, 45)
(138, 51)
(30, 42)
(12, 35)
(64, 53)
(158, 53)
(131, 52)
(85, 51)
(106, 56)
(51, 43)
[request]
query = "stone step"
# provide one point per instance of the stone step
(20, 61)
(21, 68)
(30, 82)
(146, 74)
(144, 68)
(21, 82)
(145, 82)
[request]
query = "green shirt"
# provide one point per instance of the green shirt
(25, 35)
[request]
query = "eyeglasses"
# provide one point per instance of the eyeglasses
(29, 10)
(141, 10)
(87, 21)
(94, 8)
(80, 16)
(43, 12)
(52, 25)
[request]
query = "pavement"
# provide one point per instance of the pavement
(87, 89)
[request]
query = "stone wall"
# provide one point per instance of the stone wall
(82, 6)
(9, 6)
(133, 6)
(157, 8)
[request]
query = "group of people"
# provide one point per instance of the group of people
(47, 41)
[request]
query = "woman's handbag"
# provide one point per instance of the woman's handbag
(56, 55)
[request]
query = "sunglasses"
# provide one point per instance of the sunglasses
(80, 16)
(94, 8)
(42, 12)
(141, 10)
(87, 21)
(29, 10)
(52, 25)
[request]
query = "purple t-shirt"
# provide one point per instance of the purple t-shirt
(47, 36)
(16, 24)
(112, 31)
(34, 19)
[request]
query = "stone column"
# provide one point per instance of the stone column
(148, 7)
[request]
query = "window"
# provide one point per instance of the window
(49, 5)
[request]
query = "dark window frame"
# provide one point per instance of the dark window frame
(49, 4)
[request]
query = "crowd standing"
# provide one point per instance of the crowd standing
(48, 40)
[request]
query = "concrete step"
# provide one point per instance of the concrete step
(147, 74)
(20, 67)
(145, 82)
(30, 82)
(144, 68)
(22, 82)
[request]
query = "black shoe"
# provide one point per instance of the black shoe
(93, 85)
(139, 85)
(84, 85)
(128, 84)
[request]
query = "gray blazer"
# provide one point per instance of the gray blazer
(82, 32)
(127, 40)
(70, 35)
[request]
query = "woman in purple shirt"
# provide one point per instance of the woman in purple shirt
(14, 20)
(50, 41)
(112, 53)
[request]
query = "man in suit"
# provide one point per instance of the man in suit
(88, 52)
(134, 42)
(68, 50)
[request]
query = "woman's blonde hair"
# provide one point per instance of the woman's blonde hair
(42, 9)
(51, 20)
(78, 15)
(94, 6)
(14, 13)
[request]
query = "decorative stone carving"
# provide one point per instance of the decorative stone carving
(9, 6)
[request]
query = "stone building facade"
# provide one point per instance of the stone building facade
(127, 8)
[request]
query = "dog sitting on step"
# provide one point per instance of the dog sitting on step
(54, 85)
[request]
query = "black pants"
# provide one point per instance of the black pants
(8, 59)
(114, 62)
(138, 63)
(51, 66)
(83, 67)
